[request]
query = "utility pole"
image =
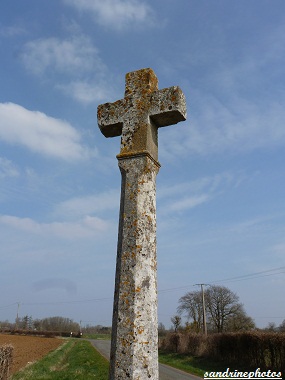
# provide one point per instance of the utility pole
(17, 317)
(204, 308)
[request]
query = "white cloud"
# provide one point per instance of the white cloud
(85, 228)
(188, 202)
(74, 56)
(40, 133)
(79, 206)
(116, 14)
(199, 185)
(194, 193)
(86, 92)
(74, 64)
(239, 106)
(11, 31)
(234, 126)
(7, 168)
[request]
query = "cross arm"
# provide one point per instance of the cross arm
(109, 116)
(168, 106)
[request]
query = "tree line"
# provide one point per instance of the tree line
(53, 324)
(224, 312)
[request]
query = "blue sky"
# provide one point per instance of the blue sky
(220, 189)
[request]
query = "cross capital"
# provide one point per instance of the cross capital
(140, 113)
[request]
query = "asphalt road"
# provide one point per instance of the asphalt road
(165, 372)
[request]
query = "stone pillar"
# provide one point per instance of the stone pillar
(134, 337)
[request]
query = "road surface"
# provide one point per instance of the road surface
(165, 372)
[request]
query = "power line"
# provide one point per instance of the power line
(250, 276)
(11, 304)
(66, 302)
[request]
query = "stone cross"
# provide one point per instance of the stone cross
(137, 117)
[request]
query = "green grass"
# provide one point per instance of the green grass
(76, 360)
(190, 364)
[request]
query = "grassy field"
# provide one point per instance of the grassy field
(76, 359)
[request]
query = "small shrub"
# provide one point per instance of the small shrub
(6, 358)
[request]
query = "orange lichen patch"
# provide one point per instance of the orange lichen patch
(149, 218)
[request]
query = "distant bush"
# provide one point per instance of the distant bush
(47, 334)
(190, 343)
(6, 358)
(248, 349)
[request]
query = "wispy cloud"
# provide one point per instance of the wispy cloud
(86, 93)
(186, 195)
(241, 108)
(7, 168)
(40, 133)
(78, 206)
(116, 14)
(66, 56)
(188, 202)
(85, 228)
(220, 128)
(73, 65)
(11, 31)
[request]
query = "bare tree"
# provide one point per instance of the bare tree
(161, 329)
(222, 304)
(271, 327)
(57, 324)
(224, 312)
(191, 305)
(176, 320)
(281, 327)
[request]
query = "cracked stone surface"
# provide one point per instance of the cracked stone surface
(137, 117)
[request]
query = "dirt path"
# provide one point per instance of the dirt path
(28, 348)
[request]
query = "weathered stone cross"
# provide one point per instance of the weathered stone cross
(137, 118)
